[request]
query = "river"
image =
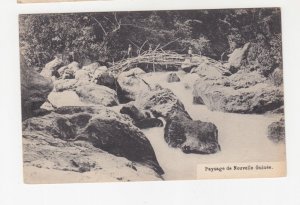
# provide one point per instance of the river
(242, 137)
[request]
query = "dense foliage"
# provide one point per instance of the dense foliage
(105, 36)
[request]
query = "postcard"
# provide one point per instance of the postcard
(152, 95)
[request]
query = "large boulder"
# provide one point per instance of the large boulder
(34, 90)
(276, 131)
(173, 77)
(192, 136)
(51, 68)
(161, 102)
(243, 92)
(64, 98)
(89, 93)
(236, 57)
(100, 126)
(65, 84)
(97, 94)
(131, 85)
(180, 130)
(52, 160)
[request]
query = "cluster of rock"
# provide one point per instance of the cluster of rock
(180, 130)
(112, 135)
(240, 91)
(227, 87)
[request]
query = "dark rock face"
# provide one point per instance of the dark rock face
(149, 123)
(276, 131)
(240, 93)
(105, 129)
(34, 91)
(133, 112)
(173, 77)
(65, 161)
(192, 136)
(141, 119)
(198, 100)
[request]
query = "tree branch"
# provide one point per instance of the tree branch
(99, 23)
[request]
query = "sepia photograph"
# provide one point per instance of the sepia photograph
(152, 95)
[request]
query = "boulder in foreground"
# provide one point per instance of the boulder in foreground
(53, 160)
(103, 128)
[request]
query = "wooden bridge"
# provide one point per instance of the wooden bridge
(164, 58)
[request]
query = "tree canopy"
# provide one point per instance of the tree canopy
(105, 36)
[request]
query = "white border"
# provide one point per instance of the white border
(245, 191)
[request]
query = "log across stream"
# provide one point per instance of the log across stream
(243, 137)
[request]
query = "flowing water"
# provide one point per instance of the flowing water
(242, 137)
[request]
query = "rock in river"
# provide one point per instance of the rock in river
(173, 77)
(131, 85)
(192, 136)
(242, 92)
(89, 93)
(97, 94)
(180, 130)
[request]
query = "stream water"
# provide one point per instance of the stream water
(242, 137)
